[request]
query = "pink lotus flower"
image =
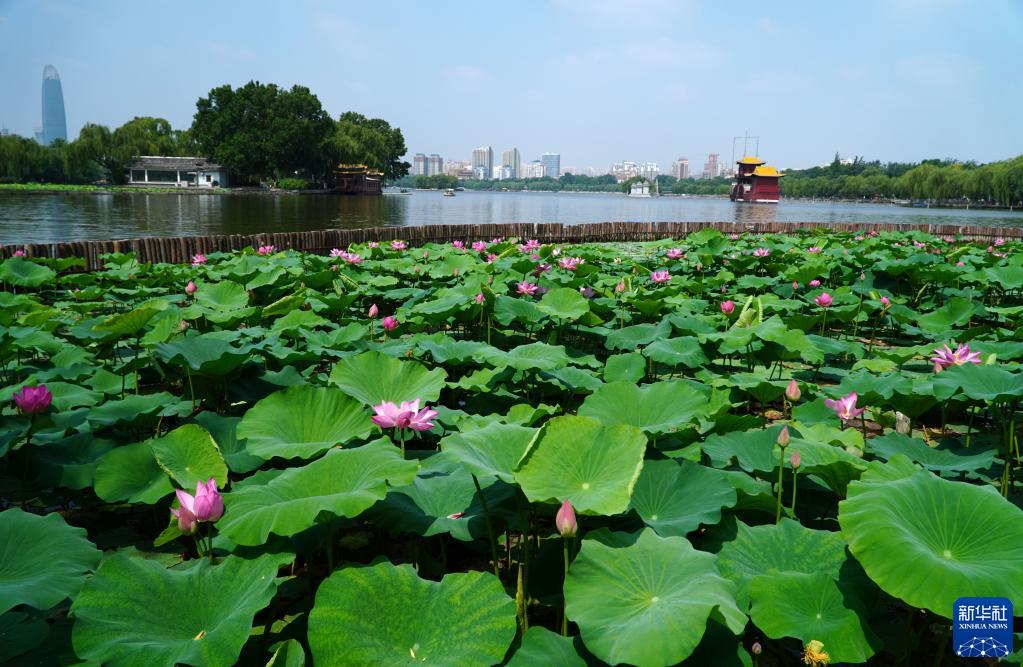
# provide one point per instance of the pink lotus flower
(661, 276)
(205, 506)
(960, 263)
(497, 239)
(620, 287)
(266, 250)
(480, 298)
(734, 237)
(946, 358)
(352, 258)
(675, 253)
(824, 300)
(565, 520)
(792, 391)
(845, 407)
(796, 459)
(479, 246)
(815, 283)
(190, 288)
(398, 245)
(587, 292)
(184, 325)
(999, 241)
(783, 437)
(373, 244)
(33, 400)
(858, 238)
(406, 415)
(373, 311)
(761, 252)
(198, 259)
(570, 263)
(541, 268)
(886, 302)
(18, 253)
(337, 252)
(426, 254)
(795, 285)
(389, 323)
(530, 246)
(528, 289)
(491, 257)
(728, 307)
(813, 250)
(918, 244)
(458, 245)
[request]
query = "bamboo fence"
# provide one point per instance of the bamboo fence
(180, 249)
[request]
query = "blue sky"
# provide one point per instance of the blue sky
(595, 80)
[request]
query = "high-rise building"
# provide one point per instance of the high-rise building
(419, 165)
(54, 121)
(483, 162)
(649, 170)
(551, 164)
(711, 168)
(680, 169)
(623, 171)
(434, 165)
(511, 158)
(534, 169)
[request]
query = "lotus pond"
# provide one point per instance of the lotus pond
(767, 450)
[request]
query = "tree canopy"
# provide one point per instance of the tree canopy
(370, 141)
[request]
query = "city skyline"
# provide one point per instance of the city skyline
(659, 76)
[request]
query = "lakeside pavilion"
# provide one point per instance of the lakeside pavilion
(177, 172)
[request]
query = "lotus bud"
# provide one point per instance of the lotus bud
(886, 302)
(783, 437)
(184, 325)
(426, 254)
(792, 391)
(796, 459)
(33, 400)
(728, 307)
(190, 288)
(620, 287)
(565, 520)
(389, 323)
(756, 649)
(795, 285)
(373, 311)
(480, 298)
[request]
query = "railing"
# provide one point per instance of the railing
(180, 249)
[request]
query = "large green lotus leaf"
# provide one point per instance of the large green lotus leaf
(434, 504)
(69, 396)
(297, 319)
(302, 421)
(71, 461)
(508, 309)
(949, 537)
(444, 348)
(542, 648)
(956, 312)
(203, 354)
(491, 451)
(874, 388)
(138, 408)
(588, 463)
(345, 482)
(787, 546)
(136, 613)
(225, 432)
(563, 303)
(223, 296)
(24, 273)
(373, 377)
(752, 450)
(628, 366)
(676, 499)
(647, 603)
(980, 382)
(810, 606)
(674, 351)
(936, 459)
(20, 633)
(635, 336)
(131, 473)
(287, 654)
(42, 559)
(131, 322)
(386, 615)
(189, 455)
(655, 408)
(534, 356)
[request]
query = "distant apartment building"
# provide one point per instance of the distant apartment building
(680, 169)
(483, 162)
(623, 171)
(649, 170)
(434, 165)
(460, 169)
(513, 159)
(419, 165)
(711, 168)
(551, 164)
(534, 169)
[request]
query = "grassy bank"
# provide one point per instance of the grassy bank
(48, 188)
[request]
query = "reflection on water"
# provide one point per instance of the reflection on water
(26, 218)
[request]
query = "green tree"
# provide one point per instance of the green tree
(372, 142)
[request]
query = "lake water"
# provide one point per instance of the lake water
(47, 218)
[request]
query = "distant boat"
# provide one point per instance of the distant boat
(755, 181)
(402, 191)
(449, 192)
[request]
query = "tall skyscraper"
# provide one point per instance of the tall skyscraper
(711, 167)
(54, 121)
(419, 165)
(680, 169)
(551, 164)
(483, 162)
(511, 158)
(434, 165)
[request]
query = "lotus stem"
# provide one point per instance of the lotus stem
(401, 439)
(795, 475)
(564, 610)
(490, 526)
(824, 321)
(781, 472)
